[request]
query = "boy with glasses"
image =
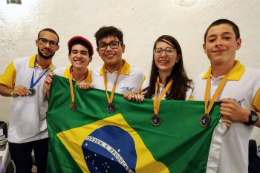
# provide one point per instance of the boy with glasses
(23, 80)
(116, 74)
(237, 88)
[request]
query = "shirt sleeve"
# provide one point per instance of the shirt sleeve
(8, 77)
(256, 102)
(141, 88)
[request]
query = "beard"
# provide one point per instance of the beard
(45, 57)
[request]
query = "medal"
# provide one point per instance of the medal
(31, 89)
(73, 106)
(111, 108)
(32, 92)
(156, 120)
(204, 120)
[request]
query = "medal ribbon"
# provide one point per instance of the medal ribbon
(73, 89)
(114, 87)
(32, 79)
(219, 89)
(156, 104)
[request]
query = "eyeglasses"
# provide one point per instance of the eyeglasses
(44, 41)
(112, 44)
(169, 51)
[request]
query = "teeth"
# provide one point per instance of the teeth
(109, 55)
(163, 61)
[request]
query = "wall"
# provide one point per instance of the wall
(142, 22)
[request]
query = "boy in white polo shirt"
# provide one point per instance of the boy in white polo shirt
(116, 75)
(23, 80)
(239, 97)
(80, 55)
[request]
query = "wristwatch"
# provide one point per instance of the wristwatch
(253, 118)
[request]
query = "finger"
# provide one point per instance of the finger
(125, 95)
(228, 125)
(91, 86)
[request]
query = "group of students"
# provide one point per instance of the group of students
(237, 87)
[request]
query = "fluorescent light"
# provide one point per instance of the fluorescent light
(14, 1)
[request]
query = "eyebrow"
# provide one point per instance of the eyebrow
(221, 34)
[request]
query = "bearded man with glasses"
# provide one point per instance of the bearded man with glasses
(23, 80)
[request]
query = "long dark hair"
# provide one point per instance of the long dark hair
(181, 82)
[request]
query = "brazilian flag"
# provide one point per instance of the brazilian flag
(90, 139)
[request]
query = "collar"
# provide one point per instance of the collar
(125, 69)
(235, 74)
(31, 62)
(88, 79)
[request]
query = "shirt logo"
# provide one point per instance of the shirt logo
(126, 89)
(238, 101)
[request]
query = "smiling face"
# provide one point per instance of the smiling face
(45, 50)
(79, 57)
(221, 45)
(165, 62)
(111, 57)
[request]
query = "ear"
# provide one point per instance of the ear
(57, 47)
(90, 59)
(123, 48)
(37, 42)
(177, 58)
(97, 51)
(204, 48)
(69, 57)
(239, 41)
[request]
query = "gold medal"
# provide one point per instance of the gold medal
(73, 106)
(111, 108)
(156, 120)
(205, 120)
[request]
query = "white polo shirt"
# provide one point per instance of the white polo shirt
(161, 88)
(243, 84)
(27, 116)
(65, 72)
(130, 79)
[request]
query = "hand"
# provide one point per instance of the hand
(233, 111)
(130, 95)
(226, 121)
(48, 81)
(85, 86)
(21, 91)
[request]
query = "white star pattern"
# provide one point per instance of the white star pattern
(118, 150)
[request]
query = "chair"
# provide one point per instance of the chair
(254, 159)
(11, 167)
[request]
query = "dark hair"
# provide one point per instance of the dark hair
(181, 82)
(106, 31)
(83, 43)
(50, 30)
(223, 21)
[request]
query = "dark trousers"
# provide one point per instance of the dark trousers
(21, 154)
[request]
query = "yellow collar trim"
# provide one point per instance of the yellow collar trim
(125, 69)
(31, 62)
(88, 79)
(235, 74)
